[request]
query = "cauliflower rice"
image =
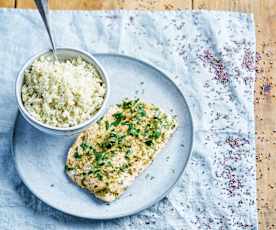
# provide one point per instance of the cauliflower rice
(63, 93)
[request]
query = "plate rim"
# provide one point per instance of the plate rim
(150, 204)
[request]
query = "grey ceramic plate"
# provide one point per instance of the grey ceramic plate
(40, 158)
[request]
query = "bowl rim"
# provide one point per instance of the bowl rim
(19, 83)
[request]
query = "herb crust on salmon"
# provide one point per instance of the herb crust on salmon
(107, 157)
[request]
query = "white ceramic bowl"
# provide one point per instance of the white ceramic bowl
(62, 53)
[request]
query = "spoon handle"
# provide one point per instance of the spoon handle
(42, 6)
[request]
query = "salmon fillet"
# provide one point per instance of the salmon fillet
(107, 157)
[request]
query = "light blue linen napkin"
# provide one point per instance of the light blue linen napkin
(211, 56)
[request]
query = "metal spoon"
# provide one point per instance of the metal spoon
(42, 6)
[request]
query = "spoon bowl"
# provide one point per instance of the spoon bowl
(63, 54)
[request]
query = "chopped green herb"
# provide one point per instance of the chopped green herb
(148, 142)
(123, 167)
(115, 123)
(128, 153)
(142, 112)
(67, 168)
(109, 141)
(95, 169)
(107, 145)
(109, 163)
(77, 155)
(100, 158)
(128, 104)
(99, 176)
(85, 146)
(133, 131)
(112, 139)
(156, 134)
(125, 123)
(100, 120)
(106, 125)
(119, 116)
